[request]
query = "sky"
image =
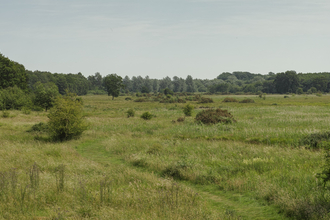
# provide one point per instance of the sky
(160, 38)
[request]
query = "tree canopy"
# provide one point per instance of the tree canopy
(12, 74)
(113, 83)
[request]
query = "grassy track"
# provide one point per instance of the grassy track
(234, 205)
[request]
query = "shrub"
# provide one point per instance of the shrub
(188, 109)
(66, 118)
(140, 100)
(230, 100)
(286, 97)
(146, 116)
(205, 100)
(180, 119)
(130, 113)
(211, 116)
(317, 140)
(181, 100)
(196, 97)
(167, 91)
(247, 101)
(40, 127)
(128, 99)
(318, 94)
(324, 176)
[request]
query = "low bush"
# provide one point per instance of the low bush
(146, 116)
(180, 119)
(130, 113)
(228, 99)
(317, 140)
(40, 127)
(214, 116)
(205, 100)
(247, 101)
(140, 100)
(188, 109)
(128, 99)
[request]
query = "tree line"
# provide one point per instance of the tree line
(19, 86)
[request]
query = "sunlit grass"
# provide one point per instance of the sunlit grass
(144, 163)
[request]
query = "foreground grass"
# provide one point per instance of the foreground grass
(128, 168)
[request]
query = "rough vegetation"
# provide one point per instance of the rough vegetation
(66, 118)
(214, 116)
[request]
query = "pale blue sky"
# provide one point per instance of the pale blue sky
(202, 38)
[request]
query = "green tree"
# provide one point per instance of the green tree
(145, 89)
(286, 82)
(113, 83)
(14, 98)
(190, 84)
(45, 94)
(12, 74)
(66, 118)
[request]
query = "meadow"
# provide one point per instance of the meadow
(130, 168)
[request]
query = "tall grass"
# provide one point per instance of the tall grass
(133, 169)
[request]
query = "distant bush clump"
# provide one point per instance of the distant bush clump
(214, 116)
(130, 113)
(180, 119)
(187, 110)
(247, 101)
(128, 99)
(146, 116)
(140, 100)
(230, 100)
(205, 100)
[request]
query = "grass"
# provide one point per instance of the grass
(130, 168)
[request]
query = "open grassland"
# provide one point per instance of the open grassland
(130, 168)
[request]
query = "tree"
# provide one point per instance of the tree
(66, 118)
(190, 84)
(113, 83)
(286, 82)
(224, 76)
(61, 83)
(45, 94)
(12, 74)
(145, 89)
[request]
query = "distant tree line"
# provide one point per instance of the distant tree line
(20, 87)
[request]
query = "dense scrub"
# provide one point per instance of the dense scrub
(211, 116)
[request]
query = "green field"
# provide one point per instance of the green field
(130, 168)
